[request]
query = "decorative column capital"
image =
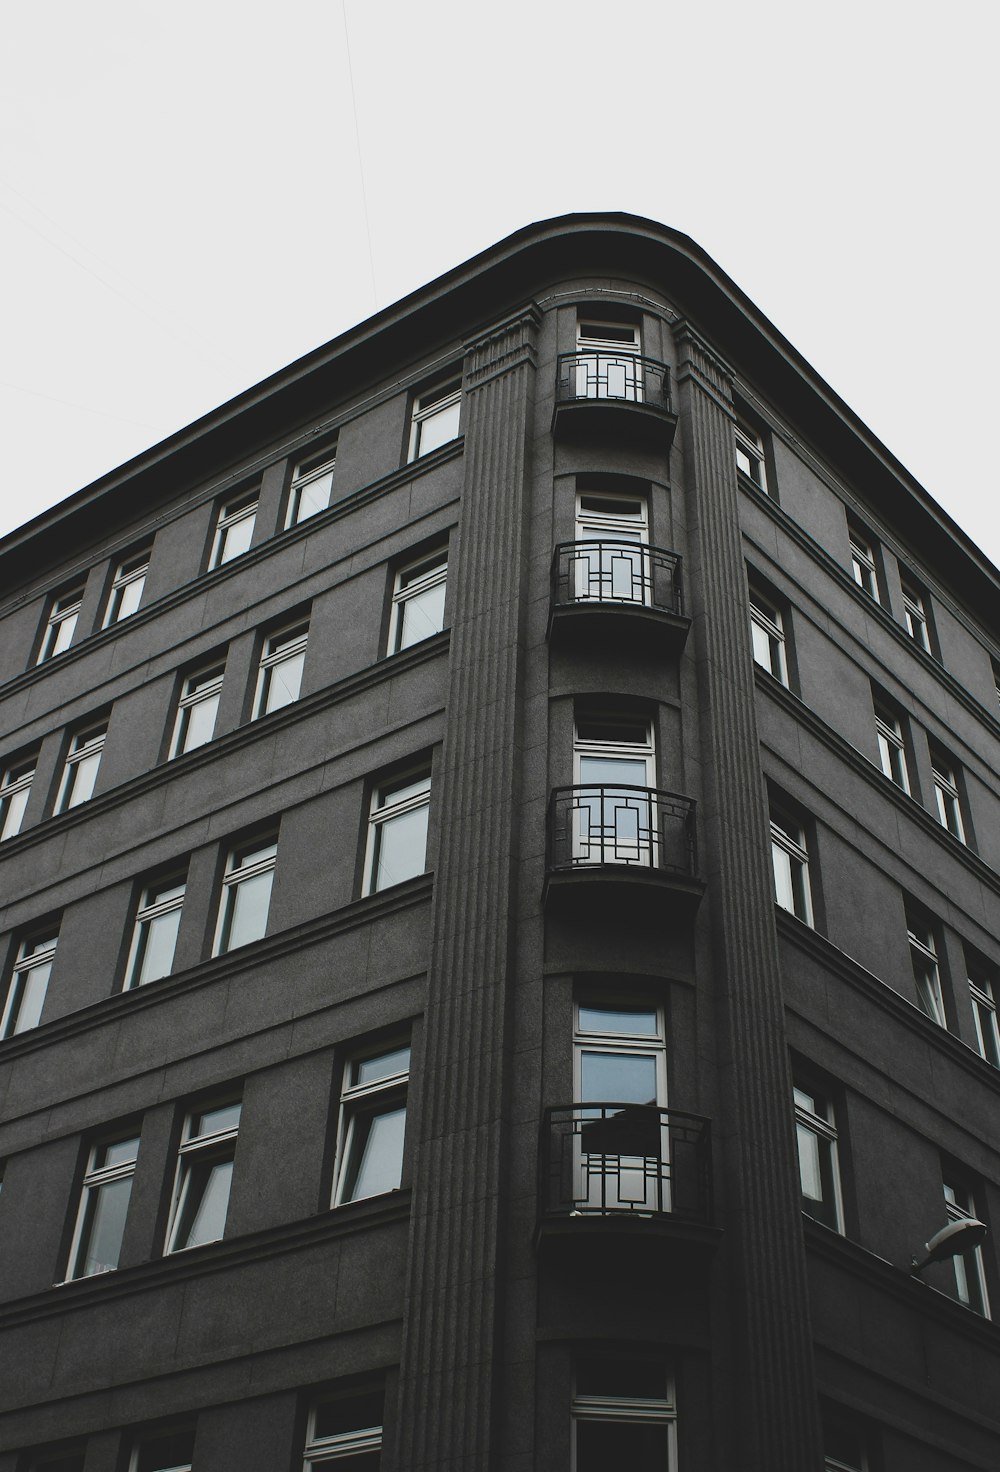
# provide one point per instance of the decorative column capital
(699, 362)
(505, 345)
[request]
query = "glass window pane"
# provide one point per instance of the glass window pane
(169, 1452)
(639, 1020)
(13, 813)
(440, 427)
(628, 1078)
(224, 1117)
(421, 616)
(377, 1154)
(198, 723)
(386, 1065)
(103, 1227)
(206, 1201)
(118, 1153)
(155, 956)
(347, 1413)
(83, 778)
(401, 847)
(282, 682)
(607, 770)
(33, 985)
(810, 1167)
(248, 905)
(604, 1445)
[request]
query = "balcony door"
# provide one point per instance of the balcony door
(607, 365)
(605, 568)
(622, 1157)
(615, 818)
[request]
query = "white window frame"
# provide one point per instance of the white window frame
(605, 524)
(915, 615)
(159, 901)
(219, 1145)
(816, 1116)
(126, 589)
(244, 862)
(35, 953)
(95, 1178)
(286, 646)
(61, 623)
(947, 799)
(83, 746)
(614, 839)
(433, 404)
(864, 568)
(306, 473)
(15, 790)
(200, 687)
(321, 1451)
(832, 1463)
(240, 509)
(767, 624)
(984, 1010)
(790, 852)
(926, 970)
(367, 1101)
(384, 809)
(153, 1435)
(970, 1276)
(750, 448)
(593, 337)
(892, 747)
(411, 582)
(629, 1410)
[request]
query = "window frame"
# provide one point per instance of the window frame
(430, 404)
(921, 937)
(435, 561)
(305, 472)
(321, 1451)
(823, 1128)
(207, 681)
(95, 1178)
(36, 950)
(985, 1007)
(84, 743)
(965, 1274)
(790, 839)
(864, 563)
(947, 794)
(241, 866)
(916, 614)
(891, 738)
(218, 1147)
(148, 911)
(607, 806)
(768, 619)
(366, 1101)
(233, 512)
(64, 608)
(129, 572)
(750, 444)
(283, 646)
(17, 779)
(151, 1435)
(626, 1410)
(382, 813)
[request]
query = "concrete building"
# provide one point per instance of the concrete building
(501, 911)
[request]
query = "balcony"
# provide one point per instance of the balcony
(617, 591)
(634, 846)
(605, 394)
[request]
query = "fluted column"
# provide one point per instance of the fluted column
(452, 1313)
(777, 1425)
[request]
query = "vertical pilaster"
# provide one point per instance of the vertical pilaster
(451, 1316)
(778, 1430)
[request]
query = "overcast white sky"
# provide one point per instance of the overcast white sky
(182, 206)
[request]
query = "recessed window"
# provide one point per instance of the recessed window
(104, 1199)
(372, 1124)
(197, 708)
(844, 1446)
(816, 1137)
(983, 992)
(155, 936)
(281, 664)
(790, 863)
(246, 894)
(83, 761)
(926, 972)
(750, 454)
(915, 613)
(624, 1414)
(418, 601)
(60, 625)
(767, 633)
(435, 418)
(126, 588)
(234, 529)
(15, 789)
(311, 487)
(610, 564)
(607, 364)
(397, 831)
(863, 564)
(345, 1429)
(892, 746)
(164, 1451)
(615, 816)
(29, 983)
(968, 1269)
(204, 1175)
(947, 802)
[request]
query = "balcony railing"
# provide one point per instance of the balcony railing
(631, 1160)
(620, 377)
(616, 571)
(639, 828)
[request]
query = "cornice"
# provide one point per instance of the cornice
(503, 347)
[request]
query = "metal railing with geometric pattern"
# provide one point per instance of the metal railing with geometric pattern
(613, 570)
(636, 827)
(621, 377)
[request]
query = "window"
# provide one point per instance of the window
(892, 746)
(418, 601)
(615, 817)
(281, 666)
(984, 1008)
(767, 633)
(397, 831)
(947, 802)
(624, 1414)
(347, 1428)
(608, 566)
(126, 588)
(915, 614)
(372, 1124)
(750, 454)
(156, 922)
(164, 1451)
(623, 1154)
(204, 1176)
(69, 1459)
(790, 861)
(926, 975)
(311, 487)
(246, 894)
(83, 761)
(863, 564)
(969, 1270)
(844, 1446)
(234, 530)
(816, 1137)
(104, 1198)
(29, 983)
(15, 788)
(435, 418)
(197, 709)
(60, 625)
(607, 363)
